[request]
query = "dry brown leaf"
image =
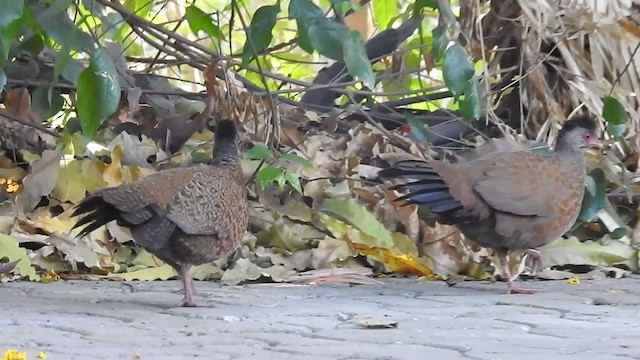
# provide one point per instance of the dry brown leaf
(41, 180)
(370, 322)
(290, 207)
(18, 103)
(329, 251)
(289, 236)
(351, 275)
(6, 268)
(244, 270)
(81, 250)
(299, 260)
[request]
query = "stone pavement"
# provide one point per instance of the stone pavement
(597, 320)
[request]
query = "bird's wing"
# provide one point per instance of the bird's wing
(211, 203)
(520, 183)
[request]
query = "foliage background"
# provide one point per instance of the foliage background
(327, 92)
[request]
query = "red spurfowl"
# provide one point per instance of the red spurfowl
(510, 200)
(184, 216)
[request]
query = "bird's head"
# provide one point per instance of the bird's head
(578, 134)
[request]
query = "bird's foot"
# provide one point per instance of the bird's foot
(187, 303)
(536, 260)
(190, 303)
(187, 286)
(181, 291)
(513, 289)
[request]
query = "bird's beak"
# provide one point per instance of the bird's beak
(596, 144)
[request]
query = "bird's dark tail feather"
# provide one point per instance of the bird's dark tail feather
(95, 212)
(428, 189)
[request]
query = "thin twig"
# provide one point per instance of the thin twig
(36, 126)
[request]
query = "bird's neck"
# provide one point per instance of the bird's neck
(225, 152)
(574, 159)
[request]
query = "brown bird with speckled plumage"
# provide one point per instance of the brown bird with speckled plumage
(184, 216)
(506, 201)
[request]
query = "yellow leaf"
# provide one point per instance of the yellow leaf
(145, 258)
(42, 355)
(13, 354)
(117, 174)
(14, 174)
(76, 177)
(357, 216)
(50, 276)
(401, 256)
(53, 224)
(396, 262)
(205, 271)
(163, 272)
(342, 230)
(573, 281)
(28, 156)
(112, 174)
(9, 249)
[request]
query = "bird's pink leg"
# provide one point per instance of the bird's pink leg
(187, 285)
(536, 259)
(511, 288)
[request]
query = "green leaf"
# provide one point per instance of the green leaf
(471, 106)
(355, 56)
(259, 152)
(10, 250)
(63, 30)
(11, 11)
(280, 180)
(324, 35)
(98, 92)
(617, 130)
(33, 45)
(349, 211)
(420, 4)
(267, 175)
(200, 157)
(8, 37)
(574, 252)
(62, 60)
(593, 199)
(200, 21)
(294, 180)
(295, 158)
(440, 42)
(303, 37)
(304, 12)
(613, 111)
(47, 101)
(590, 185)
(3, 80)
(384, 11)
(139, 7)
(618, 233)
(457, 70)
(163, 272)
(341, 7)
(260, 31)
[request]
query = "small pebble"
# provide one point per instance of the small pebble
(231, 318)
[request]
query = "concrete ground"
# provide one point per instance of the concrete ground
(473, 320)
